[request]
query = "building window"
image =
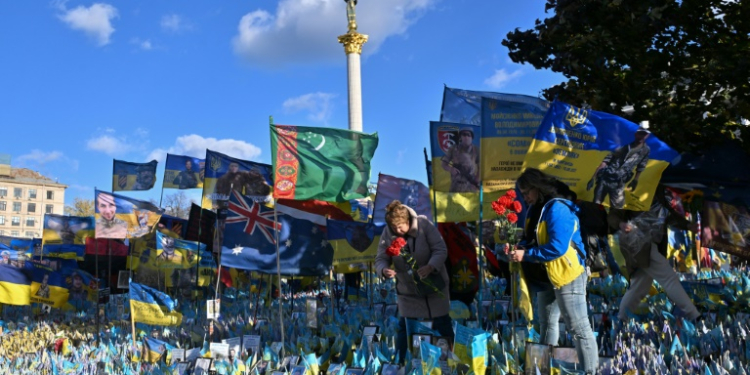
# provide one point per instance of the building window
(2, 232)
(32, 193)
(15, 221)
(14, 233)
(3, 192)
(17, 192)
(3, 205)
(31, 207)
(16, 206)
(29, 221)
(48, 209)
(50, 194)
(30, 234)
(2, 220)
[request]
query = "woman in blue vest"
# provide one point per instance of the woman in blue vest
(553, 261)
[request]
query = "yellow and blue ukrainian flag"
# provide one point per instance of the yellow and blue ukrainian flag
(48, 286)
(151, 306)
(14, 286)
(352, 241)
(155, 349)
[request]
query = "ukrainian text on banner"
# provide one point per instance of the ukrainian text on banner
(455, 172)
(152, 307)
(410, 192)
(122, 217)
(353, 242)
(508, 126)
(726, 228)
(65, 236)
(321, 163)
(184, 172)
(133, 176)
(602, 157)
(225, 174)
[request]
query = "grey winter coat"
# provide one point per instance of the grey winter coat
(429, 248)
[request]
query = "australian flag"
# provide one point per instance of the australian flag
(250, 241)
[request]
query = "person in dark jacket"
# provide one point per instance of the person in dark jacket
(427, 248)
(643, 243)
(553, 260)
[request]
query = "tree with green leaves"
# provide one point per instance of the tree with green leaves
(681, 65)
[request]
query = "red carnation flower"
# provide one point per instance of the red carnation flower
(511, 194)
(394, 249)
(517, 207)
(499, 209)
(512, 218)
(505, 201)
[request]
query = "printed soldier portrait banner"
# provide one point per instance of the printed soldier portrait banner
(121, 217)
(602, 157)
(225, 174)
(127, 176)
(455, 170)
(184, 172)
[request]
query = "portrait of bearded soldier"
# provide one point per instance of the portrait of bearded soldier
(244, 182)
(462, 162)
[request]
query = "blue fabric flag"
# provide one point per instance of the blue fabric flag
(465, 106)
(410, 192)
(250, 241)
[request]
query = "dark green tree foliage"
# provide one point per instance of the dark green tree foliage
(683, 65)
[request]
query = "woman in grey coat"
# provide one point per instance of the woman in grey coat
(426, 246)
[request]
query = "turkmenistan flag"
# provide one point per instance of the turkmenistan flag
(321, 163)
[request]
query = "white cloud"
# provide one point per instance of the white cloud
(145, 45)
(40, 157)
(501, 77)
(95, 20)
(196, 145)
(108, 145)
(318, 104)
(301, 31)
(174, 23)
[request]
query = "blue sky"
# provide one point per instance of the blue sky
(82, 83)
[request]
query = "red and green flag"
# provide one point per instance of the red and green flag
(326, 164)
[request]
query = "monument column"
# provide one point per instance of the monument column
(353, 42)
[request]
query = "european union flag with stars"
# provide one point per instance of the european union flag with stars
(250, 241)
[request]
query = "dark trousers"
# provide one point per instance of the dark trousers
(442, 324)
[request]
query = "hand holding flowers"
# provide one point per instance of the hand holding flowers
(507, 208)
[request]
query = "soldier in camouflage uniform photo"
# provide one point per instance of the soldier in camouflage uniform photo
(624, 164)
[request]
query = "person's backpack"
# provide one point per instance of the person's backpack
(593, 221)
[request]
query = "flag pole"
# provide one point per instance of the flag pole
(98, 287)
(331, 292)
(369, 278)
(278, 275)
(257, 296)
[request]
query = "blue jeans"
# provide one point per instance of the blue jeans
(570, 301)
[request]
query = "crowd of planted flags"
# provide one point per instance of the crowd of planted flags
(252, 282)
